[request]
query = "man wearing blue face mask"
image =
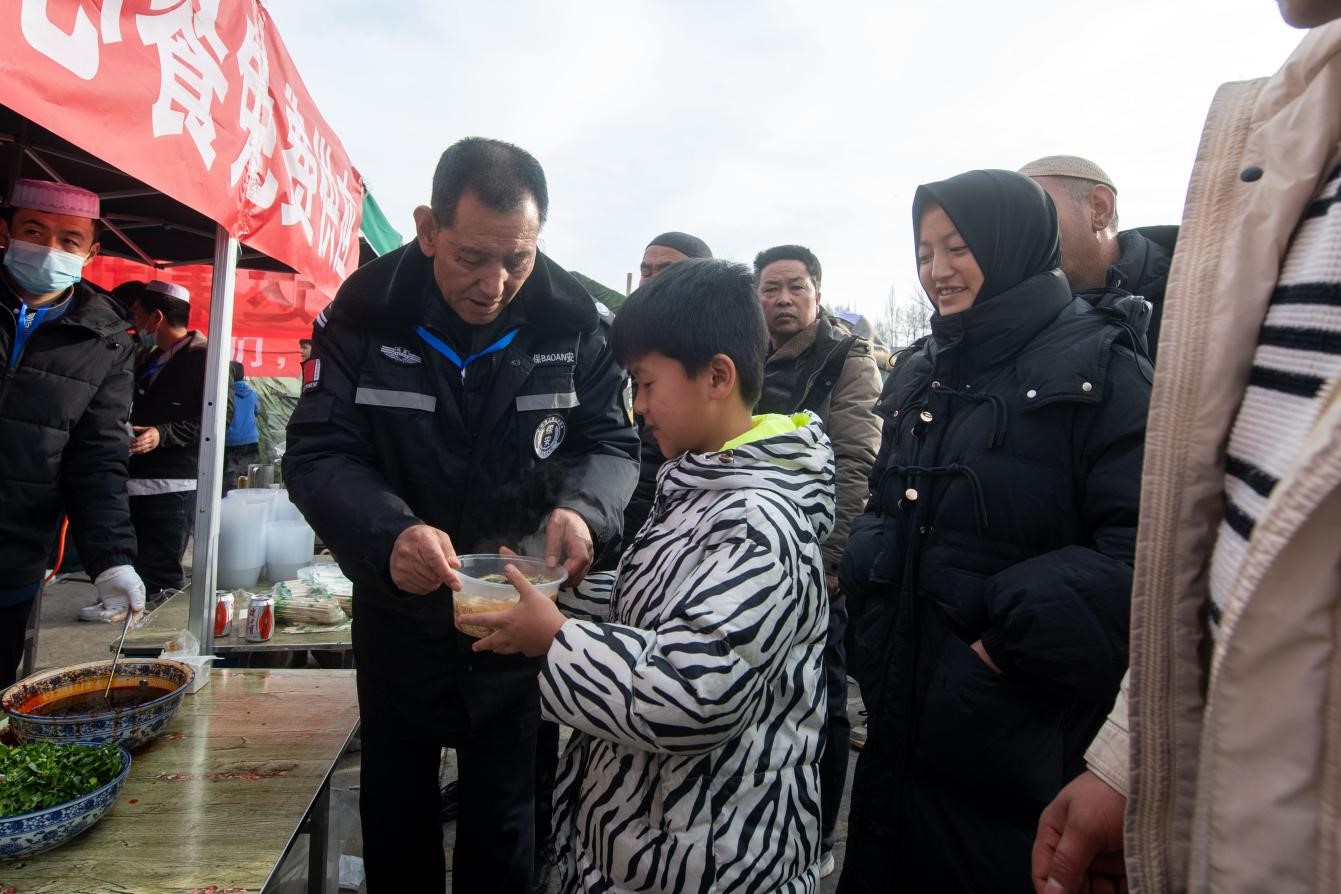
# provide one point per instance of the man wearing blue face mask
(64, 399)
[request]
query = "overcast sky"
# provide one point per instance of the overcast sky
(753, 123)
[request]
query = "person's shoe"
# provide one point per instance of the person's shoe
(857, 736)
(827, 864)
(154, 600)
(447, 806)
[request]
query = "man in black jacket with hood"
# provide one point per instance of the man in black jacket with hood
(64, 399)
(461, 396)
(1097, 258)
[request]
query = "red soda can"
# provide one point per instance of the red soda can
(223, 614)
(260, 618)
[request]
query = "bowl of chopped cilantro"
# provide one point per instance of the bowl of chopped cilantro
(50, 792)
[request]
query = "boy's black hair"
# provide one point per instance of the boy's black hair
(692, 312)
(500, 174)
(304, 341)
(176, 312)
(236, 371)
(788, 253)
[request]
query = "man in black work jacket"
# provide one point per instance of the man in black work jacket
(460, 397)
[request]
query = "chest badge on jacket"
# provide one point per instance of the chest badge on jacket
(403, 356)
(549, 435)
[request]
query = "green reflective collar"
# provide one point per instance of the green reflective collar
(768, 426)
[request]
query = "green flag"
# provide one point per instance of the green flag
(377, 229)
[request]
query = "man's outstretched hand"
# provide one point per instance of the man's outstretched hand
(1078, 849)
(423, 559)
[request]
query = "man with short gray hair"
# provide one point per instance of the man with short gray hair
(461, 396)
(1096, 256)
(813, 363)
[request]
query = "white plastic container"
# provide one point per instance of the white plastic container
(241, 543)
(480, 595)
(288, 547)
(259, 495)
(282, 508)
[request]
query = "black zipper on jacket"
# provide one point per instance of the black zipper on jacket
(10, 368)
(4, 388)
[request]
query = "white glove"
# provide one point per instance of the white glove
(120, 589)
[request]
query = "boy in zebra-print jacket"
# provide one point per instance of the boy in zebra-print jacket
(693, 678)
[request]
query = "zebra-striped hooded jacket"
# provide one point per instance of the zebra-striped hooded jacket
(698, 698)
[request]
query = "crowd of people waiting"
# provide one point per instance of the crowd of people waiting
(1091, 602)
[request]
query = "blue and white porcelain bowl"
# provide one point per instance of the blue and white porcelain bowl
(41, 830)
(127, 727)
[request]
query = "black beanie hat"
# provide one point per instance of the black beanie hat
(689, 246)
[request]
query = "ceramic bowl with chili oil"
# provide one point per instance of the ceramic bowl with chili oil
(71, 704)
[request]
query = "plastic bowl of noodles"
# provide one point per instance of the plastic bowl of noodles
(485, 589)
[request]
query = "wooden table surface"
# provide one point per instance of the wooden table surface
(169, 619)
(217, 799)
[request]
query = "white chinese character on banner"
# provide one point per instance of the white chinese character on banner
(337, 209)
(301, 163)
(190, 76)
(77, 49)
(240, 350)
(257, 118)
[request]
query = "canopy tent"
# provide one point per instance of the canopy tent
(189, 119)
(143, 224)
(271, 310)
(152, 236)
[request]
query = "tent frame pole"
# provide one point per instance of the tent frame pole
(213, 424)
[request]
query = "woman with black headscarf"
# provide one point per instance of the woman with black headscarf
(992, 566)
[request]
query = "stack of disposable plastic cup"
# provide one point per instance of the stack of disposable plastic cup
(282, 509)
(241, 543)
(288, 547)
(263, 495)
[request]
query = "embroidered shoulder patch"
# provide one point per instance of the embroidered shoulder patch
(311, 374)
(403, 356)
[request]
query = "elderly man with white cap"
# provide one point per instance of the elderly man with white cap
(165, 438)
(64, 399)
(1096, 257)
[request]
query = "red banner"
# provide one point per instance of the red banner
(271, 311)
(200, 100)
